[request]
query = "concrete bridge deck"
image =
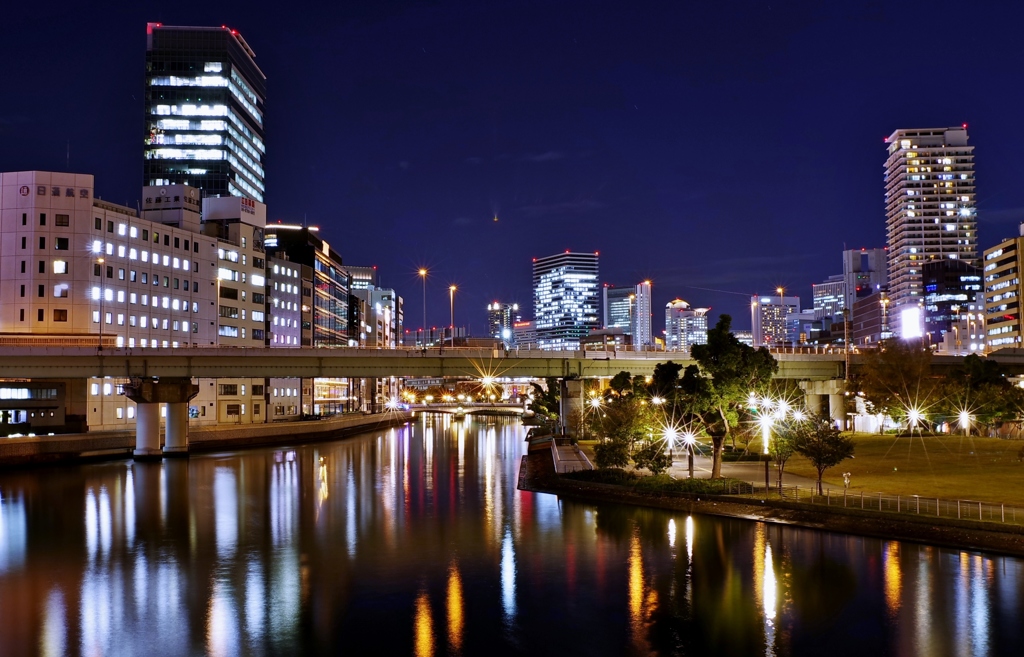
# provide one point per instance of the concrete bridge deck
(86, 362)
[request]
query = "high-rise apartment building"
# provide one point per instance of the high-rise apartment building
(930, 207)
(565, 299)
(204, 101)
(685, 326)
(768, 318)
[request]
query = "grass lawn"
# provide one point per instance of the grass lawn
(948, 466)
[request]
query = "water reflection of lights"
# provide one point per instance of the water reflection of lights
(455, 609)
(423, 627)
(689, 538)
(54, 626)
(13, 532)
(225, 509)
(351, 533)
(255, 603)
(770, 601)
(129, 508)
(508, 576)
(636, 583)
(893, 578)
(672, 532)
(222, 636)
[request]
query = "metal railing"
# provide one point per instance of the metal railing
(917, 505)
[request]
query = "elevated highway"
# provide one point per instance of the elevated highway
(87, 362)
(84, 362)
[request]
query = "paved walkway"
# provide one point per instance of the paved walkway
(744, 471)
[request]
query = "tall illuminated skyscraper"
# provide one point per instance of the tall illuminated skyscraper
(929, 206)
(204, 102)
(565, 299)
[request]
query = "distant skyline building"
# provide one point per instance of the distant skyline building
(501, 317)
(865, 271)
(685, 326)
(768, 318)
(204, 103)
(629, 308)
(829, 297)
(930, 207)
(565, 299)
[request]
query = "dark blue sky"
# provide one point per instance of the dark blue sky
(732, 146)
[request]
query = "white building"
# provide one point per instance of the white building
(829, 297)
(75, 270)
(685, 326)
(930, 206)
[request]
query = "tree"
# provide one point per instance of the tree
(665, 381)
(716, 389)
(783, 445)
(546, 399)
(979, 389)
(621, 383)
(821, 442)
(652, 456)
(897, 377)
(611, 453)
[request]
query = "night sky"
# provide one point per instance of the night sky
(717, 148)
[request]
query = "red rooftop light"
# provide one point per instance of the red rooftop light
(965, 126)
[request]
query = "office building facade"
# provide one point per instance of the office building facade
(204, 102)
(952, 288)
(768, 319)
(865, 272)
(565, 299)
(1003, 290)
(930, 207)
(829, 297)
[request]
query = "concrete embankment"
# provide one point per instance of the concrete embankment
(538, 475)
(120, 444)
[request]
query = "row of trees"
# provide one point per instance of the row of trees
(898, 380)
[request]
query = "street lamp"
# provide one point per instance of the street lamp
(423, 275)
(670, 435)
(100, 261)
(451, 302)
(689, 439)
(782, 312)
(965, 422)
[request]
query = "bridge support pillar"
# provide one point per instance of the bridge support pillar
(147, 431)
(813, 402)
(148, 394)
(571, 403)
(176, 429)
(837, 409)
(815, 393)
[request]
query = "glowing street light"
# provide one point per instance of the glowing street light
(657, 401)
(423, 275)
(451, 301)
(913, 417)
(670, 436)
(595, 403)
(690, 440)
(965, 421)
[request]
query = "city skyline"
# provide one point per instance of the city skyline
(364, 141)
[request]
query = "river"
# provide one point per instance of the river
(415, 541)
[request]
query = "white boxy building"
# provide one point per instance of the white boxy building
(79, 271)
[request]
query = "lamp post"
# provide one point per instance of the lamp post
(423, 275)
(100, 261)
(451, 302)
(782, 312)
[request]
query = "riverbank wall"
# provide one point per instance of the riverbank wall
(537, 475)
(41, 450)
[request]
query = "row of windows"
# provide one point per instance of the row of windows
(133, 232)
(58, 220)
